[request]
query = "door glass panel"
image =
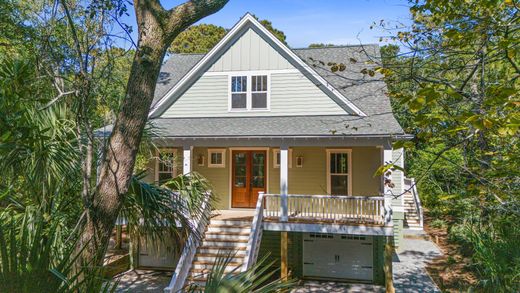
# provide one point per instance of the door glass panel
(240, 169)
(258, 170)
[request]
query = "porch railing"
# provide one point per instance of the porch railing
(374, 210)
(253, 244)
(410, 185)
(190, 248)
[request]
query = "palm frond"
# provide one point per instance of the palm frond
(257, 279)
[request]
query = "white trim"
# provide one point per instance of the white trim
(241, 72)
(349, 174)
(217, 151)
(158, 157)
(231, 149)
(277, 151)
(249, 91)
(248, 18)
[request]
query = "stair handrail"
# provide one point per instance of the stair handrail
(190, 248)
(253, 244)
(417, 200)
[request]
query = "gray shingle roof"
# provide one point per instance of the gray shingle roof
(367, 93)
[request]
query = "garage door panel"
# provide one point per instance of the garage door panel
(338, 256)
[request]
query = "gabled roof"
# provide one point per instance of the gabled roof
(247, 22)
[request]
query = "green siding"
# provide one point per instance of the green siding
(250, 52)
(379, 250)
(309, 179)
(270, 248)
(398, 219)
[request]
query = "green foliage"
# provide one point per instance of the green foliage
(203, 37)
(438, 223)
(453, 83)
(320, 45)
(256, 279)
(33, 259)
(198, 39)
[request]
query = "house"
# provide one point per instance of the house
(291, 149)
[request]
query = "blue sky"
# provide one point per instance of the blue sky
(312, 21)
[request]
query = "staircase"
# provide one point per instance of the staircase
(411, 218)
(222, 237)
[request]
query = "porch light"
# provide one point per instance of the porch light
(200, 160)
(299, 161)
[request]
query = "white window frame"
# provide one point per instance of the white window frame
(349, 174)
(217, 151)
(158, 157)
(276, 165)
(249, 96)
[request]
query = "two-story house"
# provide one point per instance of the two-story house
(291, 147)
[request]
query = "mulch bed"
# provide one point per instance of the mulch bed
(451, 271)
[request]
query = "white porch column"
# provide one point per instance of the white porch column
(284, 174)
(186, 159)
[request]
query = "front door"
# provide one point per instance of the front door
(249, 177)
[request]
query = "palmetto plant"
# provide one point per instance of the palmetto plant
(33, 259)
(260, 278)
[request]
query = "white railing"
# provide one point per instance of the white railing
(190, 248)
(255, 237)
(411, 186)
(373, 210)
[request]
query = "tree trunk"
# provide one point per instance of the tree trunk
(157, 29)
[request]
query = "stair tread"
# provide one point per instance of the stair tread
(226, 240)
(215, 255)
(207, 262)
(227, 233)
(228, 226)
(222, 247)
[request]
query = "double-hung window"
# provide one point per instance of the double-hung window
(249, 93)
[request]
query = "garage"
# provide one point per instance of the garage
(338, 256)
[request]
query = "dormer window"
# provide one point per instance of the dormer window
(249, 92)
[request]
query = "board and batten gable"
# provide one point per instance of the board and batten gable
(291, 93)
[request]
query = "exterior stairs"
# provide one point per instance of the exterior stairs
(411, 218)
(222, 238)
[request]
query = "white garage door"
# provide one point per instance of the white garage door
(338, 256)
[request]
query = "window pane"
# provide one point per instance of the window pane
(165, 177)
(238, 101)
(238, 84)
(259, 83)
(216, 158)
(278, 158)
(338, 163)
(259, 100)
(339, 184)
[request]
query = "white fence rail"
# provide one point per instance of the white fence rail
(255, 237)
(190, 248)
(335, 208)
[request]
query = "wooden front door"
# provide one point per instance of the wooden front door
(248, 177)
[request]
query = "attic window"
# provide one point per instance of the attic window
(249, 93)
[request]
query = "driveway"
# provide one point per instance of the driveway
(409, 265)
(143, 281)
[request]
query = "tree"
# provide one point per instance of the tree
(320, 45)
(203, 37)
(157, 28)
(457, 84)
(198, 39)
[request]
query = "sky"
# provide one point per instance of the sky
(340, 22)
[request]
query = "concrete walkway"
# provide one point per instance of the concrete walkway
(143, 281)
(409, 265)
(335, 287)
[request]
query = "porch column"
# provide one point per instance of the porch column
(186, 159)
(284, 174)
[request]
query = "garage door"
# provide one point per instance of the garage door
(156, 253)
(338, 256)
